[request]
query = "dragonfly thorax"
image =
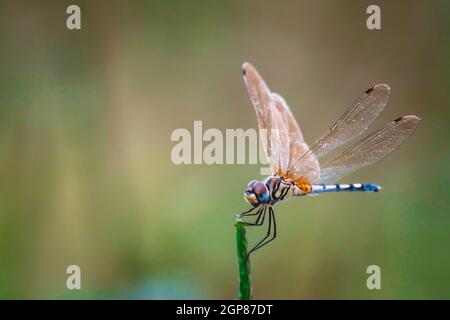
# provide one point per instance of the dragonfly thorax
(279, 188)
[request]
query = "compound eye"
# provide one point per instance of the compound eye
(251, 184)
(259, 188)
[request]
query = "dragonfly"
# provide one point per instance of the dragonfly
(294, 166)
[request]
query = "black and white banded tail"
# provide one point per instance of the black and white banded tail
(349, 187)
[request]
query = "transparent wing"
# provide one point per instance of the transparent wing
(273, 129)
(297, 146)
(351, 124)
(280, 129)
(369, 150)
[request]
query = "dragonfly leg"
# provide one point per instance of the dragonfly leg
(248, 212)
(268, 237)
(259, 220)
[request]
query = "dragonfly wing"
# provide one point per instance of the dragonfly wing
(281, 128)
(369, 150)
(352, 123)
(309, 167)
(273, 129)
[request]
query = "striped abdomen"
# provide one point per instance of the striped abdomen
(349, 187)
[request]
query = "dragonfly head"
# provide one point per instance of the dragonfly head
(256, 192)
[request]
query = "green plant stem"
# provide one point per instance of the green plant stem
(245, 287)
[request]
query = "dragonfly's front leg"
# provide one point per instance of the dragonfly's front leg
(260, 219)
(249, 212)
(266, 239)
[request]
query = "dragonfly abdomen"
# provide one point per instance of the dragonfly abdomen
(348, 187)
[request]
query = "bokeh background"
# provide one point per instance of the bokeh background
(86, 176)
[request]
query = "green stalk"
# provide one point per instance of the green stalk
(245, 287)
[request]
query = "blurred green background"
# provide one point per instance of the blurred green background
(86, 176)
